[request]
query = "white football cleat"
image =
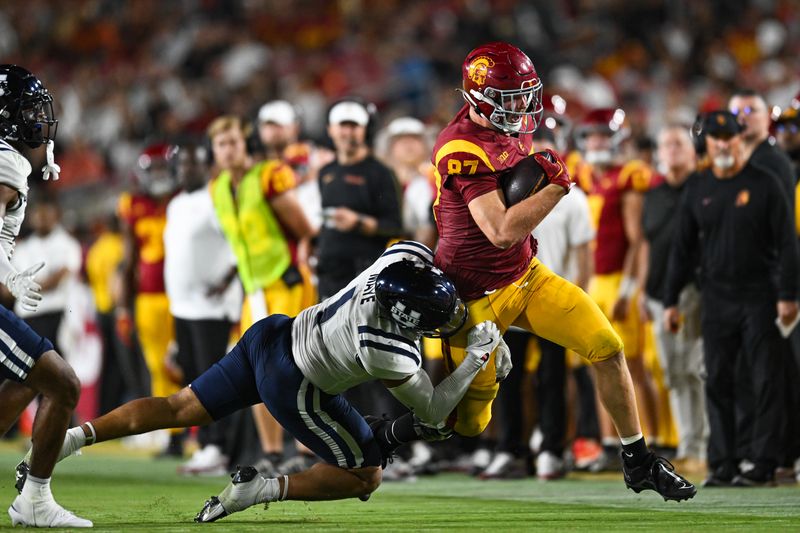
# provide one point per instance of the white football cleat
(207, 461)
(43, 513)
(245, 490)
(549, 466)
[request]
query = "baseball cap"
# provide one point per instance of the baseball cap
(348, 111)
(279, 112)
(721, 123)
(405, 126)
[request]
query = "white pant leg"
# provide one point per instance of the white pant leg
(678, 354)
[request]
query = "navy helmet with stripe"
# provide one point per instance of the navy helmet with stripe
(420, 297)
(26, 108)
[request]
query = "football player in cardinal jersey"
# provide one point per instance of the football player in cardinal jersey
(298, 367)
(616, 193)
(28, 362)
(144, 300)
(486, 248)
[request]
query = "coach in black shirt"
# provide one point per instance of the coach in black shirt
(734, 214)
(360, 202)
(752, 113)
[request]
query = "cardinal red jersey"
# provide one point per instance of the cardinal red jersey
(468, 159)
(605, 202)
(147, 217)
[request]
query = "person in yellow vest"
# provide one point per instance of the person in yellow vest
(266, 228)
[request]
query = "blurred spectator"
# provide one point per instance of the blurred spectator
(360, 201)
(118, 381)
(361, 210)
(61, 254)
(733, 217)
(616, 195)
(408, 155)
(751, 111)
(265, 226)
(787, 133)
(204, 298)
(143, 297)
(681, 354)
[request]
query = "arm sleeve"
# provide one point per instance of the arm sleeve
(433, 404)
(782, 227)
(682, 252)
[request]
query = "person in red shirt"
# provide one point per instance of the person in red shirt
(487, 250)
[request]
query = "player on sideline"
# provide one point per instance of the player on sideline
(487, 250)
(27, 361)
(298, 367)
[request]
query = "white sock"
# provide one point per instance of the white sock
(74, 440)
(270, 491)
(37, 489)
(631, 439)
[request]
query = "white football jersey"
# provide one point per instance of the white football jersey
(347, 340)
(14, 171)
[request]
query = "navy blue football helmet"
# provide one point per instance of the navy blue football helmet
(26, 108)
(420, 297)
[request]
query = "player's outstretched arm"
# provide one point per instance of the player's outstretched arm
(433, 404)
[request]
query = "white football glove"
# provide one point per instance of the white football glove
(430, 433)
(51, 168)
(481, 342)
(24, 289)
(502, 361)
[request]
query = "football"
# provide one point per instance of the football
(524, 179)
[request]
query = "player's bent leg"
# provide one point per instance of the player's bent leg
(180, 410)
(474, 411)
(320, 482)
(60, 389)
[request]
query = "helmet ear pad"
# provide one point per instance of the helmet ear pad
(419, 297)
(699, 135)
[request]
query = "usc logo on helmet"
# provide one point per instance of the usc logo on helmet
(478, 69)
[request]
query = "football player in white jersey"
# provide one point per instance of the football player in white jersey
(28, 362)
(298, 367)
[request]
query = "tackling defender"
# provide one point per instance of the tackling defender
(486, 248)
(298, 367)
(27, 361)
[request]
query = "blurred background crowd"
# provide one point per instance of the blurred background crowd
(130, 78)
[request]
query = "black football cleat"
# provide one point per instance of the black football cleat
(658, 474)
(20, 475)
(759, 476)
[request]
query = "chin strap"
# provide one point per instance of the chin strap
(51, 168)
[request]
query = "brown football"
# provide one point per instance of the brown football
(524, 179)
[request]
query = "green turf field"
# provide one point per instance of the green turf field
(122, 491)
